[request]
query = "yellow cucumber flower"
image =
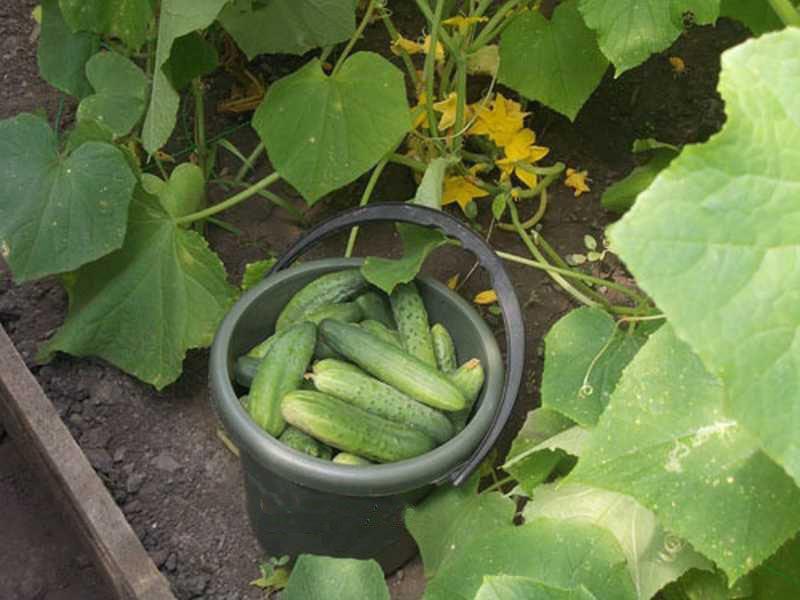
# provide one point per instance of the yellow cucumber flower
(463, 23)
(577, 181)
(461, 190)
(501, 122)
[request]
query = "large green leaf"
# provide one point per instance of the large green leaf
(323, 131)
(177, 18)
(558, 554)
(447, 520)
(665, 440)
(779, 577)
(585, 353)
(128, 20)
(142, 307)
(58, 212)
(757, 16)
(655, 557)
(502, 587)
(192, 56)
(528, 461)
(726, 274)
(288, 26)
(325, 578)
(629, 31)
(556, 62)
(707, 585)
(621, 195)
(62, 54)
(120, 92)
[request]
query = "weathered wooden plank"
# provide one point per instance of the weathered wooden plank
(31, 418)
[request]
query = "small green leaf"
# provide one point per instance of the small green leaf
(288, 26)
(192, 56)
(527, 462)
(707, 585)
(128, 20)
(585, 353)
(58, 212)
(418, 243)
(499, 206)
(178, 18)
(558, 554)
(665, 440)
(589, 242)
(120, 93)
(655, 557)
(728, 278)
(446, 521)
(325, 578)
(323, 131)
(621, 195)
(629, 31)
(429, 192)
(255, 272)
(87, 131)
(164, 281)
(757, 16)
(183, 194)
(555, 62)
(502, 587)
(62, 54)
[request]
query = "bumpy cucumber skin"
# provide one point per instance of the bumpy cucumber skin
(393, 365)
(380, 330)
(346, 311)
(444, 348)
(328, 289)
(245, 369)
(348, 383)
(412, 322)
(468, 378)
(376, 308)
(345, 458)
(351, 429)
(329, 364)
(302, 442)
(280, 372)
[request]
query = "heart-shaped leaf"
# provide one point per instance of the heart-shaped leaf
(120, 92)
(129, 20)
(58, 212)
(183, 194)
(325, 578)
(323, 131)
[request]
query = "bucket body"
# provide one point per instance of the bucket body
(299, 504)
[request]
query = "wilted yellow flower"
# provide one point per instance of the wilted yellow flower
(501, 122)
(412, 47)
(577, 181)
(448, 109)
(452, 283)
(678, 65)
(463, 23)
(461, 190)
(486, 297)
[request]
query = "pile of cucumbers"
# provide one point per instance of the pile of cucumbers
(383, 386)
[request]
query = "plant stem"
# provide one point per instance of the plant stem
(373, 180)
(430, 62)
(444, 77)
(498, 484)
(482, 7)
(411, 163)
(249, 162)
(394, 36)
(461, 98)
(494, 26)
(283, 203)
(200, 124)
(787, 12)
(232, 201)
(425, 9)
(59, 115)
(354, 38)
(326, 52)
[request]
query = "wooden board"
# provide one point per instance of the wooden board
(32, 420)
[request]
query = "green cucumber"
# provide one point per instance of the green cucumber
(468, 378)
(444, 348)
(333, 364)
(412, 322)
(380, 330)
(375, 308)
(346, 311)
(245, 369)
(280, 372)
(302, 442)
(352, 429)
(348, 383)
(393, 365)
(345, 458)
(328, 289)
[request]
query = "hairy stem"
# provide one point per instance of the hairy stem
(354, 38)
(411, 163)
(249, 162)
(494, 26)
(430, 63)
(200, 125)
(232, 201)
(787, 12)
(373, 180)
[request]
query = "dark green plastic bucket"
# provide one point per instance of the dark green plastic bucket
(300, 504)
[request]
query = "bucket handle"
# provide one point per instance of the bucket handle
(501, 283)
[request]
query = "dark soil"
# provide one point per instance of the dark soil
(158, 452)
